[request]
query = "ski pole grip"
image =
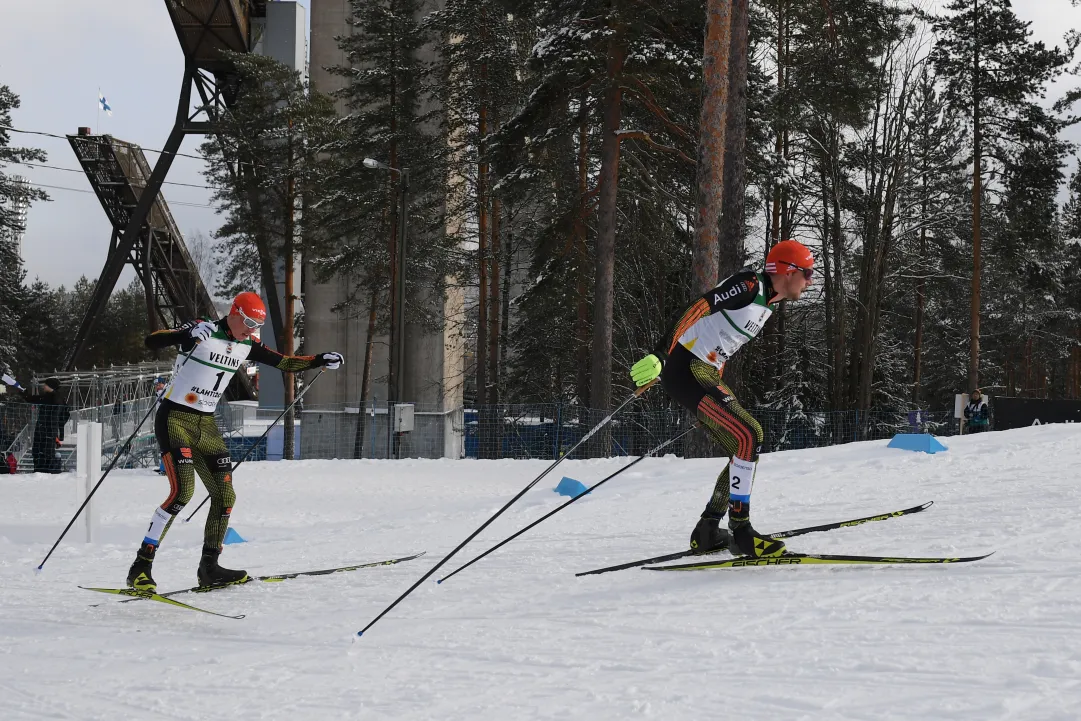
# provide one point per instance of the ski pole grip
(639, 391)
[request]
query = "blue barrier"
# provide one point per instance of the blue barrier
(923, 442)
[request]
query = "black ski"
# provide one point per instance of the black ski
(276, 578)
(781, 534)
(810, 559)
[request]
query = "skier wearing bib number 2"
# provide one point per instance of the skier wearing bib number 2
(707, 335)
(188, 436)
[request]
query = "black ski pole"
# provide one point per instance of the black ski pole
(112, 464)
(508, 504)
(556, 510)
(251, 448)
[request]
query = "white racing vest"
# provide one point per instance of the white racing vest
(199, 382)
(716, 337)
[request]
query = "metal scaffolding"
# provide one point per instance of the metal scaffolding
(118, 173)
(144, 233)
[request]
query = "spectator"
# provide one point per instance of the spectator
(159, 391)
(49, 431)
(10, 464)
(976, 413)
(118, 408)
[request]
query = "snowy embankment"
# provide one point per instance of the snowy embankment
(517, 636)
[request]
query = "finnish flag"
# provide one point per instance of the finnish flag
(104, 105)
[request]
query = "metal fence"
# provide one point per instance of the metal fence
(537, 431)
(547, 431)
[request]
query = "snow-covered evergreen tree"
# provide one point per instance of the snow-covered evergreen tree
(12, 195)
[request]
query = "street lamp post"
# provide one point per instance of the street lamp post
(396, 386)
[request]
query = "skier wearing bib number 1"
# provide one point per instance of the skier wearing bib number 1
(708, 334)
(188, 436)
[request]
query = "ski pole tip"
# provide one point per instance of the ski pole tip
(359, 634)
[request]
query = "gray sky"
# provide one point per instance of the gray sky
(55, 54)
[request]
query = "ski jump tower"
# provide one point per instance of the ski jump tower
(144, 232)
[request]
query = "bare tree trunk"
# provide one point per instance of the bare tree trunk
(778, 143)
(828, 288)
(484, 450)
(921, 299)
(840, 301)
(581, 327)
(264, 249)
(287, 343)
(977, 149)
(731, 256)
(493, 322)
(604, 280)
(366, 376)
(711, 144)
(773, 334)
(504, 316)
(392, 244)
(495, 316)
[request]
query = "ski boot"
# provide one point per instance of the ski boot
(211, 574)
(708, 536)
(745, 540)
(139, 576)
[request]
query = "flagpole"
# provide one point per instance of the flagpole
(97, 123)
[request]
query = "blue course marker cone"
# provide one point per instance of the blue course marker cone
(231, 536)
(570, 487)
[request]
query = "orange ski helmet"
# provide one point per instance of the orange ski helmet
(789, 256)
(249, 306)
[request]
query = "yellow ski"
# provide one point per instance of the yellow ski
(155, 597)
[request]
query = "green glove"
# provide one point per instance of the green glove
(646, 370)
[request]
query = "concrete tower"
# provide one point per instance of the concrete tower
(433, 368)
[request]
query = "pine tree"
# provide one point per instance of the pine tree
(481, 48)
(994, 73)
(1028, 331)
(11, 195)
(392, 117)
(931, 200)
(266, 151)
(614, 105)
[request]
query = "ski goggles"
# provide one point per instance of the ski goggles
(249, 321)
(807, 272)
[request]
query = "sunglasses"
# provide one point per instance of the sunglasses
(807, 272)
(250, 322)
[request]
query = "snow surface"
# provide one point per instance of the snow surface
(517, 636)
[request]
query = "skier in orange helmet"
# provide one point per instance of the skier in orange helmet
(710, 332)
